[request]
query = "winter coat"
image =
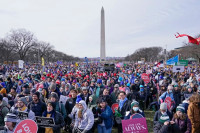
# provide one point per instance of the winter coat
(107, 116)
(59, 121)
(187, 94)
(158, 114)
(133, 96)
(177, 97)
(125, 107)
(37, 108)
(194, 116)
(166, 94)
(3, 111)
(86, 99)
(31, 114)
(161, 128)
(87, 120)
(184, 125)
(70, 104)
(61, 109)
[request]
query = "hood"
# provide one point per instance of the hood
(83, 104)
(4, 103)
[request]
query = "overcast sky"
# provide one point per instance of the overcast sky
(73, 26)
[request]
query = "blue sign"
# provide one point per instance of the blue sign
(172, 61)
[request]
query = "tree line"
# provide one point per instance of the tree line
(153, 54)
(22, 44)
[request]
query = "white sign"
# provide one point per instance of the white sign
(21, 63)
(63, 99)
(178, 68)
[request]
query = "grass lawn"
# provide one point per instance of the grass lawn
(149, 118)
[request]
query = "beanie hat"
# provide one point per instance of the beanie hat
(10, 117)
(103, 99)
(78, 99)
(134, 103)
(37, 94)
(3, 84)
(21, 81)
(26, 91)
(23, 99)
(128, 84)
(99, 81)
(164, 118)
(55, 95)
(141, 86)
(33, 91)
(116, 86)
(180, 108)
(84, 88)
(62, 79)
(163, 106)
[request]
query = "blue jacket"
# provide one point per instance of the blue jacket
(166, 94)
(107, 116)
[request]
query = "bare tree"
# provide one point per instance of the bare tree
(22, 41)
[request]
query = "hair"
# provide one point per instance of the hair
(122, 92)
(195, 98)
(183, 117)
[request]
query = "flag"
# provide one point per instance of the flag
(173, 60)
(190, 39)
(159, 63)
(42, 61)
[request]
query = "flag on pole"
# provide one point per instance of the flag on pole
(173, 60)
(42, 61)
(159, 63)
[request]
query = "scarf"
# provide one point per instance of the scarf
(51, 112)
(121, 103)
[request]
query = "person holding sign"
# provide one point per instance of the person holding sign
(11, 122)
(22, 110)
(58, 118)
(134, 109)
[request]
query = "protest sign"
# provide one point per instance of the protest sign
(22, 115)
(63, 99)
(114, 107)
(137, 125)
(178, 68)
(26, 126)
(136, 115)
(45, 121)
(168, 101)
(20, 63)
(146, 78)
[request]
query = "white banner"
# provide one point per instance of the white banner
(178, 68)
(21, 63)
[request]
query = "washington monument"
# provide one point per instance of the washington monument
(102, 49)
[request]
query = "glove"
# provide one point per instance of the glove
(84, 131)
(98, 110)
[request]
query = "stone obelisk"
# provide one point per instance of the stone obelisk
(102, 49)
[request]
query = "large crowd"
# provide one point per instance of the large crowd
(80, 97)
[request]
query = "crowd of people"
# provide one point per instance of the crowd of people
(80, 97)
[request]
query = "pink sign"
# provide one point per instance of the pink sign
(146, 78)
(26, 126)
(137, 125)
(168, 101)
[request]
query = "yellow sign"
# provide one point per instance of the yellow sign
(42, 61)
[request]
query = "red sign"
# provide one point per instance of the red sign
(26, 126)
(114, 107)
(168, 101)
(137, 125)
(146, 78)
